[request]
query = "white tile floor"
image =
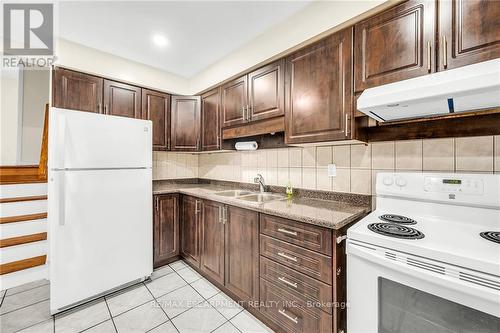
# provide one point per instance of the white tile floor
(177, 299)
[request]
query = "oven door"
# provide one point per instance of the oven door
(392, 292)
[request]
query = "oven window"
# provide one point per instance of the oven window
(408, 310)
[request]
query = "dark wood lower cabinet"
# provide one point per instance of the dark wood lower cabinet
(242, 253)
(165, 229)
(212, 249)
(190, 230)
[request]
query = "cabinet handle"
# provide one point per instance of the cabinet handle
(288, 232)
(429, 55)
(347, 127)
(282, 254)
(105, 108)
(291, 284)
(220, 214)
(445, 53)
(196, 208)
(157, 204)
(99, 107)
(294, 319)
(224, 215)
(249, 113)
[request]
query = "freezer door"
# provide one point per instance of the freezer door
(84, 140)
(100, 232)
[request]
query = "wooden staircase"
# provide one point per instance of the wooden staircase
(23, 220)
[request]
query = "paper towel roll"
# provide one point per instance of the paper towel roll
(246, 145)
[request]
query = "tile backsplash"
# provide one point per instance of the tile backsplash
(357, 165)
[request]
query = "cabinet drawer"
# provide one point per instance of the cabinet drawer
(305, 261)
(309, 236)
(311, 290)
(290, 312)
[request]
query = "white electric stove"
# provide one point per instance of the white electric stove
(428, 258)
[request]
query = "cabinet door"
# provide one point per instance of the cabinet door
(234, 102)
(156, 107)
(212, 249)
(469, 32)
(210, 123)
(122, 99)
(166, 229)
(266, 88)
(319, 91)
(242, 253)
(186, 122)
(190, 230)
(76, 91)
(395, 45)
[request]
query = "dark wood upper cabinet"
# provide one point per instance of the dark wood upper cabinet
(166, 229)
(395, 45)
(212, 240)
(318, 91)
(210, 118)
(122, 99)
(156, 107)
(242, 253)
(190, 230)
(266, 91)
(234, 102)
(76, 91)
(469, 32)
(185, 123)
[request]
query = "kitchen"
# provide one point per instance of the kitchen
(342, 179)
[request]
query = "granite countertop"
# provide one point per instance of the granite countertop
(326, 213)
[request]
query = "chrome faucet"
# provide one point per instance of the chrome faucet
(259, 179)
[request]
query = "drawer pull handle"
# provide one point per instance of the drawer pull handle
(291, 284)
(281, 254)
(288, 232)
(294, 319)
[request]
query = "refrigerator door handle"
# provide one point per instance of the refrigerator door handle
(62, 198)
(62, 142)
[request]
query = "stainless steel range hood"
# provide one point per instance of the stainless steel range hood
(472, 87)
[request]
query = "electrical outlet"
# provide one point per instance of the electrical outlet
(332, 170)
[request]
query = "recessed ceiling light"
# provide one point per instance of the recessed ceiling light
(160, 40)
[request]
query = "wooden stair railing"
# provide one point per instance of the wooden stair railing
(20, 174)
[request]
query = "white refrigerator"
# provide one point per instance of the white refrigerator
(100, 205)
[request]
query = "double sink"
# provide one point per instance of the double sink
(250, 196)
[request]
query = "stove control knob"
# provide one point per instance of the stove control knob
(401, 182)
(388, 181)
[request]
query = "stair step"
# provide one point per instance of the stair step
(23, 239)
(18, 199)
(22, 190)
(22, 264)
(21, 218)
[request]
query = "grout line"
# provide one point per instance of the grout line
(22, 291)
(110, 314)
(23, 307)
(3, 296)
(161, 308)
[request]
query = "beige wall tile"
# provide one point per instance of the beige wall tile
(497, 153)
(295, 177)
(283, 158)
(283, 176)
(342, 156)
(361, 156)
(309, 157)
(262, 159)
(383, 155)
(295, 155)
(474, 153)
(324, 155)
(409, 155)
(342, 182)
(309, 178)
(438, 154)
(272, 158)
(323, 182)
(361, 181)
(272, 176)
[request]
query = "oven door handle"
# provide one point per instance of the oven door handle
(378, 257)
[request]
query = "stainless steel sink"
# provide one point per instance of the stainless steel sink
(233, 193)
(262, 197)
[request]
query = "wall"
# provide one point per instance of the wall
(313, 20)
(170, 165)
(85, 59)
(357, 165)
(9, 116)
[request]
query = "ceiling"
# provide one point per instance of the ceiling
(199, 33)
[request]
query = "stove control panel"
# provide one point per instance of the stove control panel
(454, 185)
